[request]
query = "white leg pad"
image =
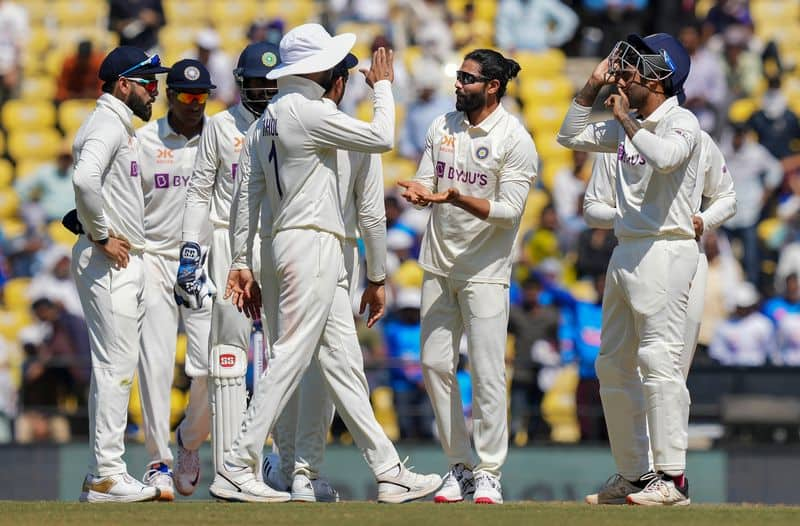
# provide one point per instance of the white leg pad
(227, 368)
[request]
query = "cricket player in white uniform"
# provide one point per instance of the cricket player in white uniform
(302, 429)
(645, 302)
(209, 199)
(107, 262)
(714, 190)
(477, 169)
(315, 318)
(168, 150)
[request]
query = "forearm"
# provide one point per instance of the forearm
(373, 234)
(588, 94)
(719, 211)
(599, 215)
(630, 125)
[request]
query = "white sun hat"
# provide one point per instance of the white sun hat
(309, 48)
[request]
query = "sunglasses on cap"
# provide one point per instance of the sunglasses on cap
(150, 85)
(468, 78)
(149, 61)
(188, 98)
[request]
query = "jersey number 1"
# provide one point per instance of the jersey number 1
(273, 158)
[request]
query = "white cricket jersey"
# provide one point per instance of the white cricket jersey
(108, 194)
(494, 160)
(167, 163)
(713, 192)
(656, 171)
(305, 132)
(211, 185)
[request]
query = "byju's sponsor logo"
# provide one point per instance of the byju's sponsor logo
(134, 169)
(165, 181)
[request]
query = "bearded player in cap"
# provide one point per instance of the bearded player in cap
(169, 147)
(658, 165)
(208, 201)
(315, 318)
(107, 262)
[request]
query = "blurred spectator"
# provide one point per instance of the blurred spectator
(615, 20)
(55, 281)
(429, 24)
(535, 330)
(787, 303)
(746, 337)
(137, 23)
(470, 31)
(534, 25)
(755, 174)
(14, 32)
(21, 251)
(56, 368)
(789, 340)
(594, 252)
(261, 30)
(357, 89)
(78, 78)
(705, 88)
(541, 243)
(724, 274)
(570, 184)
(50, 187)
(402, 333)
(207, 51)
(8, 392)
(726, 13)
(420, 113)
(775, 124)
(741, 65)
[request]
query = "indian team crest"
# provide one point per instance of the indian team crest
(269, 59)
(482, 152)
(191, 73)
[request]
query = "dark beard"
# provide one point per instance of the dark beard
(467, 103)
(140, 108)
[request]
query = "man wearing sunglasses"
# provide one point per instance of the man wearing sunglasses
(207, 206)
(658, 167)
(476, 172)
(168, 150)
(107, 262)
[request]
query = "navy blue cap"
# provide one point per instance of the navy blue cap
(129, 60)
(189, 74)
(257, 60)
(680, 60)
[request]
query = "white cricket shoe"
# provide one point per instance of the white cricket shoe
(241, 485)
(272, 474)
(116, 488)
(457, 485)
(398, 484)
(661, 492)
(306, 489)
(487, 489)
(158, 475)
(187, 469)
(616, 489)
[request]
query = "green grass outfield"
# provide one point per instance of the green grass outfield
(363, 513)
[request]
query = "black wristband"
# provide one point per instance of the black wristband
(380, 283)
(102, 242)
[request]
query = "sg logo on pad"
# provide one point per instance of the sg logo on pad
(227, 360)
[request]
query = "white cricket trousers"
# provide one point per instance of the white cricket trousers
(156, 363)
(314, 319)
(302, 429)
(644, 325)
(113, 306)
(449, 307)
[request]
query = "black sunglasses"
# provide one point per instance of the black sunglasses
(468, 78)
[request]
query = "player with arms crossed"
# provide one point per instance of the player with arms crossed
(315, 318)
(716, 194)
(657, 167)
(169, 147)
(477, 169)
(209, 199)
(107, 262)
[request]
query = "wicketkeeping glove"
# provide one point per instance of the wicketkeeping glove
(192, 286)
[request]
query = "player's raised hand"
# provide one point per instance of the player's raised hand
(382, 67)
(374, 296)
(244, 292)
(415, 193)
(619, 105)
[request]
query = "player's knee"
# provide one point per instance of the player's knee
(606, 369)
(435, 365)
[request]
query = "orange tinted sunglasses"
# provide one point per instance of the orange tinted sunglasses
(188, 98)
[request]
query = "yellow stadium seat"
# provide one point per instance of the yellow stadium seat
(38, 41)
(54, 60)
(28, 115)
(742, 109)
(293, 13)
(537, 200)
(6, 173)
(11, 322)
(186, 12)
(33, 64)
(408, 275)
(60, 235)
(559, 409)
(177, 38)
(39, 145)
(214, 107)
(555, 90)
(543, 118)
(234, 39)
(79, 13)
(485, 11)
(536, 65)
(72, 113)
(383, 403)
(15, 294)
(410, 56)
(38, 87)
(12, 227)
(775, 10)
(365, 32)
(9, 203)
(240, 11)
(38, 11)
(397, 170)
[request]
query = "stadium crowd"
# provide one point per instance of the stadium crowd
(744, 87)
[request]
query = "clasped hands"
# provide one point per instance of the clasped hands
(418, 195)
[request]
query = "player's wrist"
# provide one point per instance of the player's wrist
(377, 283)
